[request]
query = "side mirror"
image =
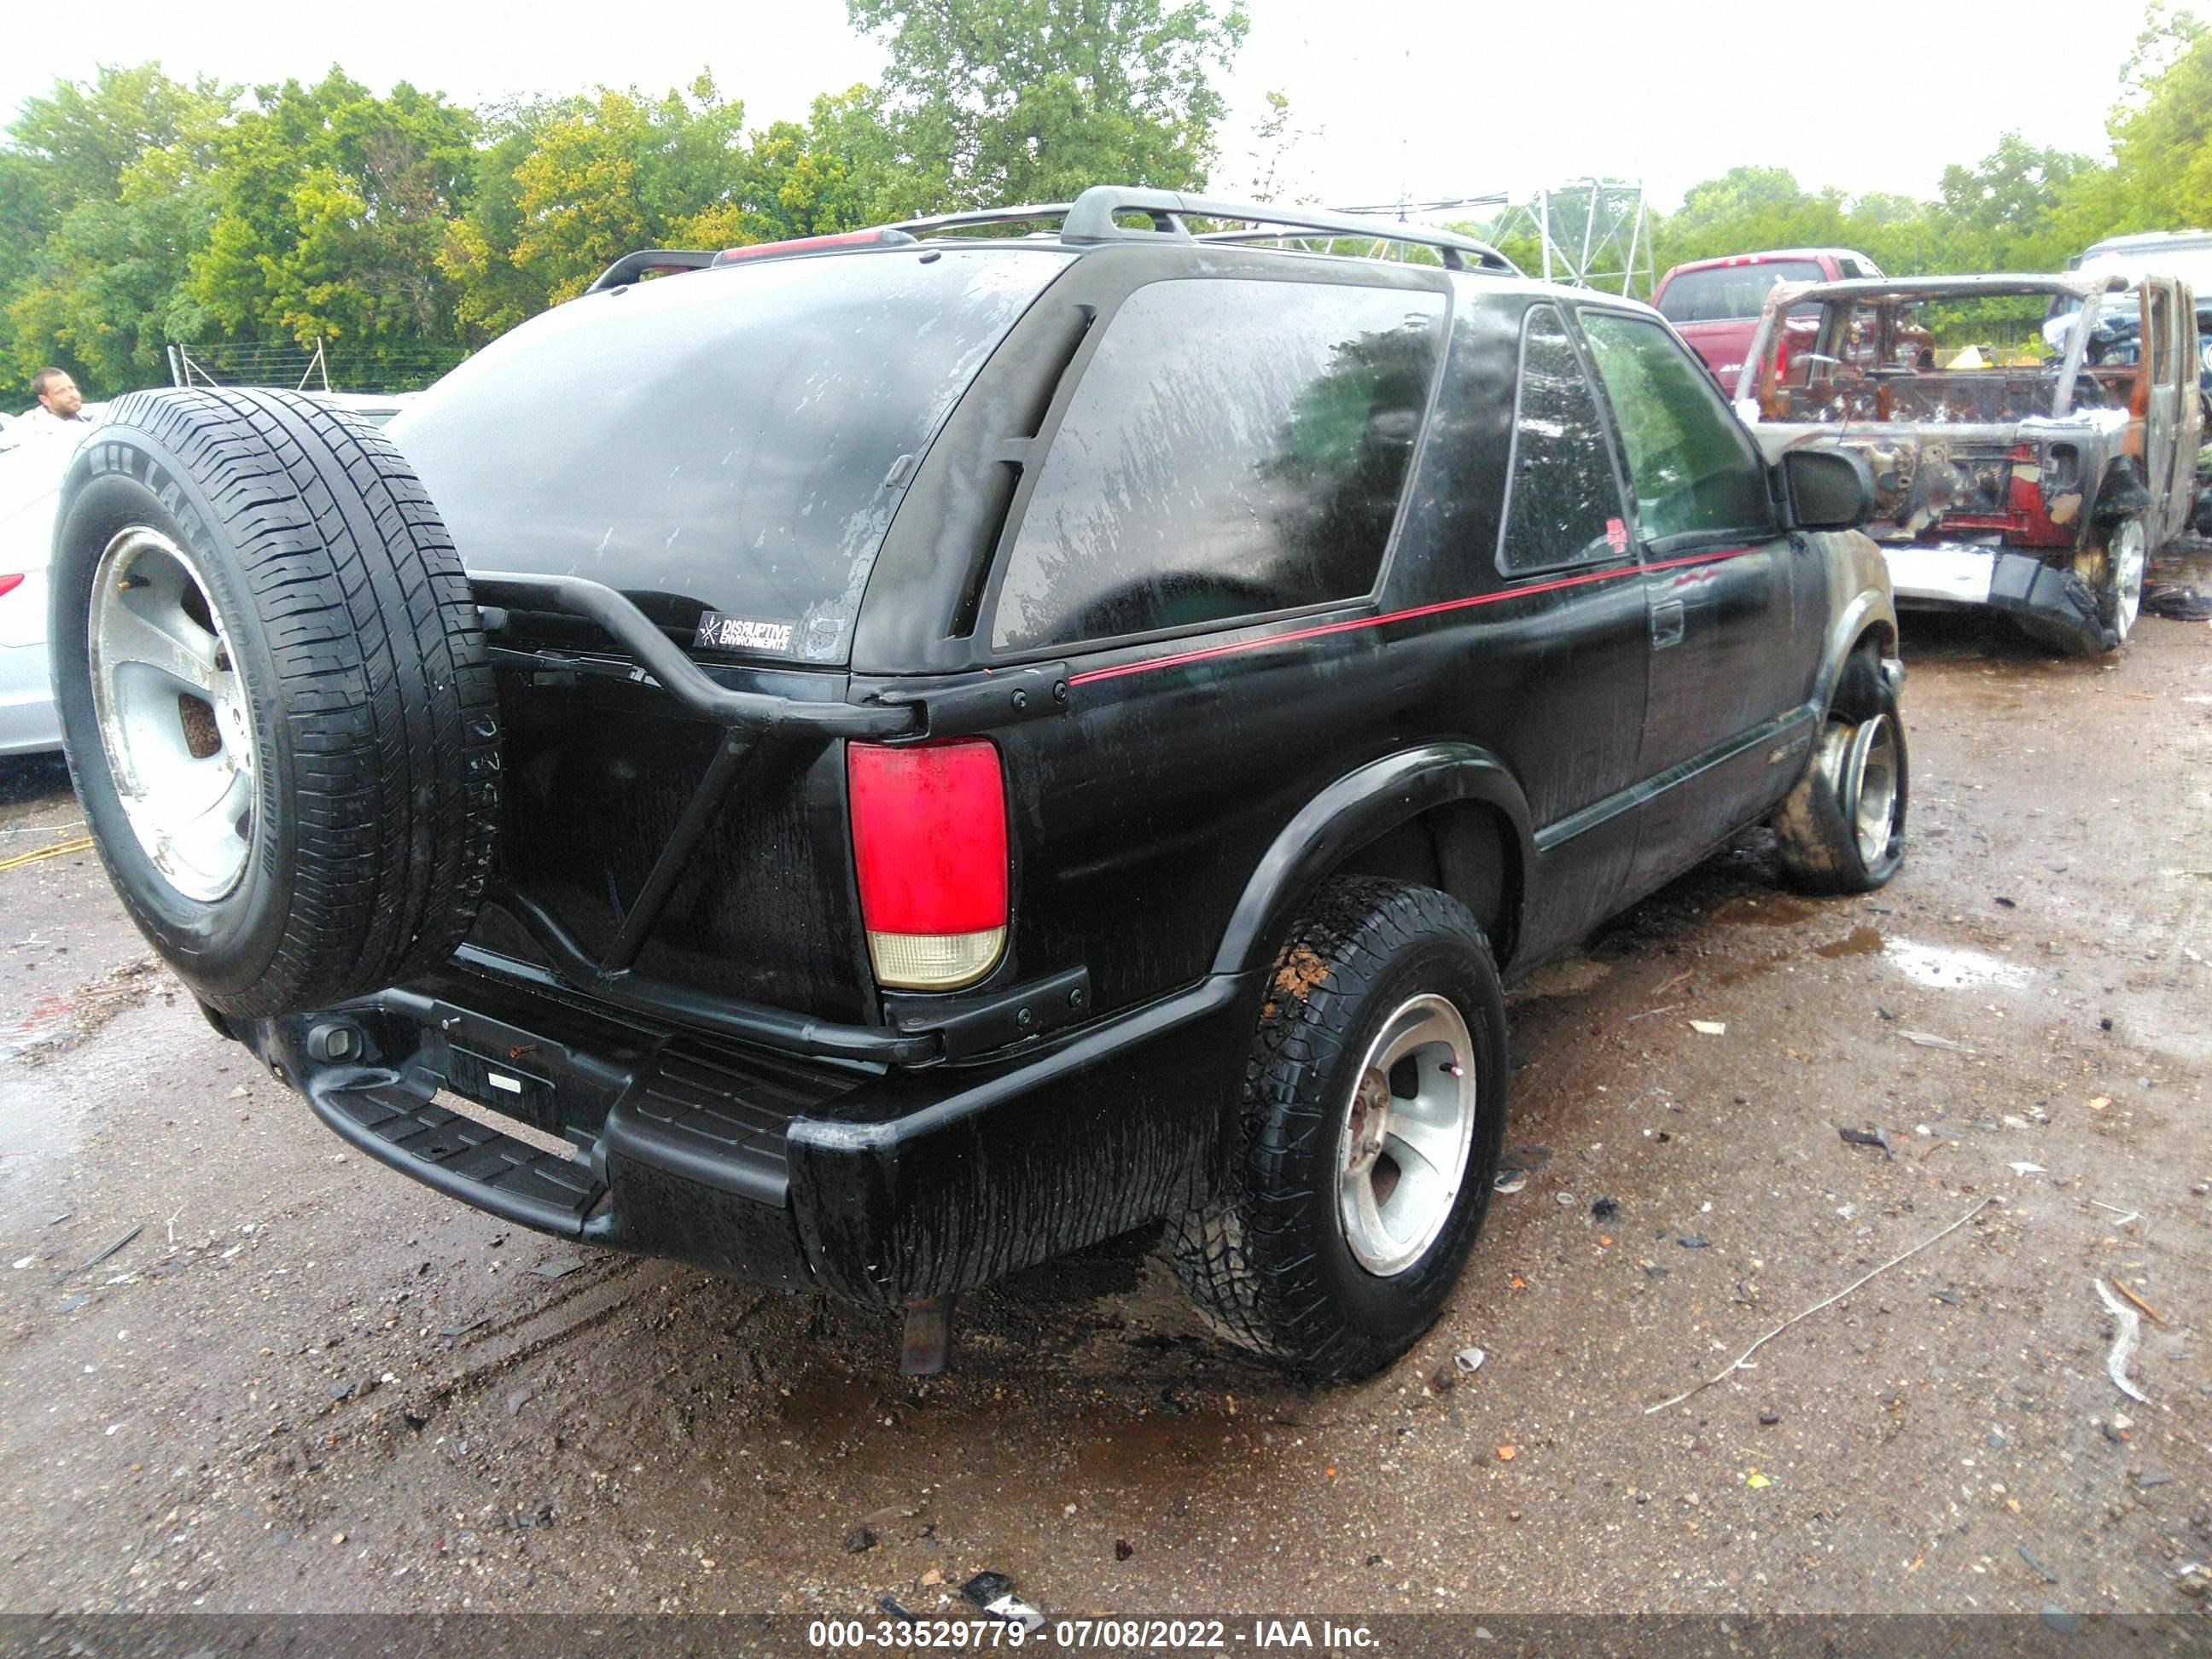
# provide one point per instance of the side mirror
(1827, 488)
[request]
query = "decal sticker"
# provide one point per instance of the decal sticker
(1616, 535)
(720, 633)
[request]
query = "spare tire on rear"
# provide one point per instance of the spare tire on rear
(274, 696)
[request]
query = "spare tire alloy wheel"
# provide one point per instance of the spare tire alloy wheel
(175, 718)
(274, 696)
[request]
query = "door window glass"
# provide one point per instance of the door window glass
(1693, 468)
(1233, 448)
(1562, 504)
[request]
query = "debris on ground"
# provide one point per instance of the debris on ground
(2156, 1317)
(1694, 1241)
(1604, 1209)
(860, 1541)
(1930, 1040)
(2177, 602)
(1123, 1549)
(2036, 1567)
(1469, 1360)
(1506, 1185)
(1710, 1027)
(1738, 1363)
(2126, 1337)
(994, 1592)
(899, 1614)
(101, 1256)
(1875, 1137)
(558, 1267)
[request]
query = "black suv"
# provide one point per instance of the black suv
(894, 757)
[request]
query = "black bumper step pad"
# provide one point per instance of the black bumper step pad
(721, 1124)
(464, 1159)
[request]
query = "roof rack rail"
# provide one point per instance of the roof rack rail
(651, 261)
(1093, 217)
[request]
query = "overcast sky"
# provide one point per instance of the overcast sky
(1430, 99)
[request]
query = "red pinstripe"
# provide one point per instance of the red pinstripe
(1176, 659)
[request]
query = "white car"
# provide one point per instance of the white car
(30, 480)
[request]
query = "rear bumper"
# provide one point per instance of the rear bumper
(28, 722)
(2049, 602)
(882, 1186)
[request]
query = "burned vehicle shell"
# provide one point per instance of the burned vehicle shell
(2041, 487)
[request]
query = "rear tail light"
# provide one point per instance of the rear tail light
(929, 846)
(10, 584)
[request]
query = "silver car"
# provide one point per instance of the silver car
(30, 476)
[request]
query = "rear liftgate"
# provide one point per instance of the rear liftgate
(697, 1090)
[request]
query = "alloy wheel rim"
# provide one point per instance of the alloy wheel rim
(1874, 791)
(2131, 559)
(174, 717)
(1402, 1152)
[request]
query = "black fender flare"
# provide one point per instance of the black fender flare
(1365, 803)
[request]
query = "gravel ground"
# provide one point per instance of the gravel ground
(246, 1370)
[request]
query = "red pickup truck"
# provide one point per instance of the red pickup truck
(1715, 303)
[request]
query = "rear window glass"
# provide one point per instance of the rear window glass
(1562, 506)
(1233, 448)
(1719, 293)
(725, 440)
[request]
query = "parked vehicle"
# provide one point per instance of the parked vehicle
(2040, 489)
(30, 483)
(1714, 304)
(901, 758)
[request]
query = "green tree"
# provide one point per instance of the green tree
(2000, 213)
(110, 286)
(331, 207)
(1000, 101)
(83, 138)
(2162, 130)
(567, 187)
(101, 211)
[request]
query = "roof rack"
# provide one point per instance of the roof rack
(1094, 216)
(651, 261)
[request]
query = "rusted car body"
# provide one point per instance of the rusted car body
(2042, 488)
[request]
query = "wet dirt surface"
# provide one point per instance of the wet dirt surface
(305, 1383)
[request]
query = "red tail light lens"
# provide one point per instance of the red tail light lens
(929, 846)
(8, 584)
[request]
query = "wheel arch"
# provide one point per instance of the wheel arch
(1447, 815)
(1869, 618)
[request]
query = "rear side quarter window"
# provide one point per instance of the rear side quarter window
(1563, 503)
(1233, 449)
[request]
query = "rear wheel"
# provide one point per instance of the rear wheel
(274, 697)
(1841, 828)
(1374, 1112)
